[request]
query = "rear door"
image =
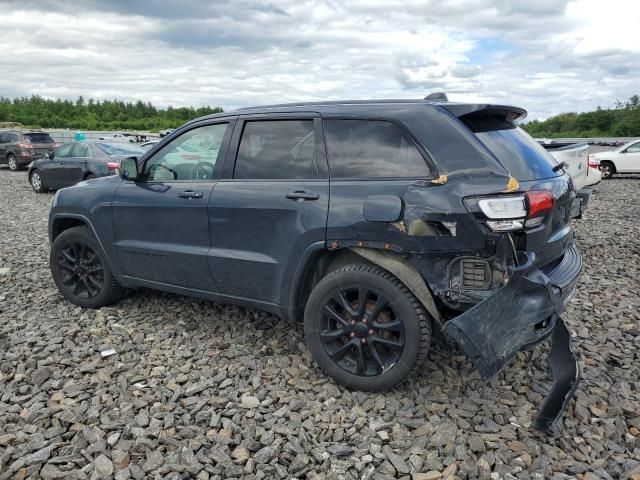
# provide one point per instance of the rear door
(271, 206)
(161, 222)
(629, 159)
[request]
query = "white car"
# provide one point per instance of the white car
(576, 163)
(625, 159)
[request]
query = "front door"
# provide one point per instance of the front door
(161, 223)
(271, 208)
(629, 160)
(52, 171)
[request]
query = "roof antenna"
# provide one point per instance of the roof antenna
(437, 97)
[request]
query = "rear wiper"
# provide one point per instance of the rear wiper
(560, 165)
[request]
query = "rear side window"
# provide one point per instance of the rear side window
(523, 157)
(372, 148)
(38, 138)
(278, 149)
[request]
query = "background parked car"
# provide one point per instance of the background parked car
(148, 145)
(18, 149)
(625, 159)
(76, 161)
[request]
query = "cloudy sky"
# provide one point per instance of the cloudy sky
(548, 56)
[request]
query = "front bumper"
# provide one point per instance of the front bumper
(520, 315)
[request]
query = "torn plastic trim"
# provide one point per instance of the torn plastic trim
(407, 274)
(520, 315)
(566, 377)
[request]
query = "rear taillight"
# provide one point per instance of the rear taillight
(24, 145)
(113, 166)
(510, 213)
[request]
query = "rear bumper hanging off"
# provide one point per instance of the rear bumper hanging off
(520, 315)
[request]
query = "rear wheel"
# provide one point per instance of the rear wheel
(36, 182)
(89, 176)
(607, 168)
(80, 271)
(12, 161)
(365, 329)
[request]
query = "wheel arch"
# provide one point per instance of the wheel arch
(323, 261)
(611, 162)
(60, 224)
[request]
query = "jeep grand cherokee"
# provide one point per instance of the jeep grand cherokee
(374, 221)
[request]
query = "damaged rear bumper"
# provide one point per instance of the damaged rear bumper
(520, 315)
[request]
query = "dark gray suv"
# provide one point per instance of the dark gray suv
(18, 149)
(376, 222)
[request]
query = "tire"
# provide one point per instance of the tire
(90, 176)
(36, 182)
(80, 270)
(12, 161)
(394, 342)
(607, 168)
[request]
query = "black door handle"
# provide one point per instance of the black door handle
(190, 194)
(302, 195)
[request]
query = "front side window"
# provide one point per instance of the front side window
(191, 156)
(372, 148)
(64, 151)
(635, 148)
(277, 149)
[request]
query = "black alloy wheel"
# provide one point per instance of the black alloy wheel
(365, 329)
(80, 270)
(361, 332)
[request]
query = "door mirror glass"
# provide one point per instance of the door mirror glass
(129, 168)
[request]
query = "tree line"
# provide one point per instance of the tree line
(39, 112)
(621, 121)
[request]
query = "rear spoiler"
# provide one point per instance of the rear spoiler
(502, 112)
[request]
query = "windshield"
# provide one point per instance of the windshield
(521, 155)
(38, 138)
(114, 149)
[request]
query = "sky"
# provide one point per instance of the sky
(548, 56)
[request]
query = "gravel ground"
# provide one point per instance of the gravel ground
(199, 390)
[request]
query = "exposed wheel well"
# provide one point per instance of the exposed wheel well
(323, 262)
(62, 224)
(613, 165)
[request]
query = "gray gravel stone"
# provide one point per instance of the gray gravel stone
(103, 466)
(200, 390)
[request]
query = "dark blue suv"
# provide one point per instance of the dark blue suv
(376, 222)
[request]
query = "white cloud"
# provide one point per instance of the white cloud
(547, 56)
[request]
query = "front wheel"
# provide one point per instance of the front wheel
(365, 329)
(607, 169)
(36, 182)
(80, 271)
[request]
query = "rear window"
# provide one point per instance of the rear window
(372, 148)
(521, 155)
(38, 138)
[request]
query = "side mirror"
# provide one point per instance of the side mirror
(129, 168)
(47, 156)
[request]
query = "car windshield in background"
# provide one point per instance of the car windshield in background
(521, 155)
(115, 149)
(38, 138)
